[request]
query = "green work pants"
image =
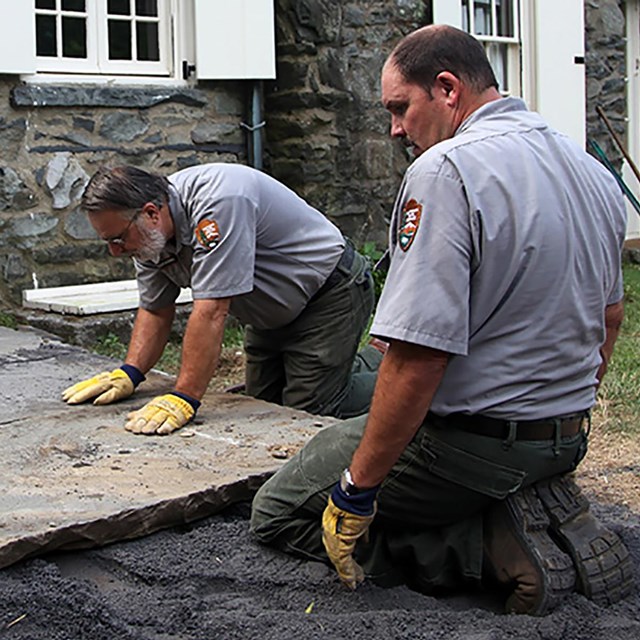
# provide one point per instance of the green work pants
(427, 532)
(312, 363)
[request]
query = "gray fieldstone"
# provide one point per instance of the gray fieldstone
(14, 266)
(123, 127)
(13, 191)
(212, 132)
(65, 179)
(78, 227)
(33, 224)
(31, 95)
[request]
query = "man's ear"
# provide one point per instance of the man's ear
(448, 85)
(151, 211)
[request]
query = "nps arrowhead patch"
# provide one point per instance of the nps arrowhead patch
(208, 233)
(409, 223)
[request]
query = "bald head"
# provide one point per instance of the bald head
(423, 54)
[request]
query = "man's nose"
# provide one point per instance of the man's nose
(397, 131)
(115, 249)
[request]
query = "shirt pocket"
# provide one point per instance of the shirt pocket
(469, 470)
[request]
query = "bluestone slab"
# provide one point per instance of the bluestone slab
(73, 477)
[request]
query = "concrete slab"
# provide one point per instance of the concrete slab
(73, 477)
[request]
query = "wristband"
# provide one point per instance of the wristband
(360, 504)
(134, 374)
(195, 404)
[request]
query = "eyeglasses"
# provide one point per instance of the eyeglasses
(119, 241)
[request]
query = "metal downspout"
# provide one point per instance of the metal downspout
(255, 150)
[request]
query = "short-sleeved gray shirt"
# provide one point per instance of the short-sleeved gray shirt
(241, 234)
(505, 245)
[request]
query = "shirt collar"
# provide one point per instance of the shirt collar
(495, 107)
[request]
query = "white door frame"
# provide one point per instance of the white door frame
(633, 111)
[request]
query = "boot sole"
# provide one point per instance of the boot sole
(555, 565)
(602, 562)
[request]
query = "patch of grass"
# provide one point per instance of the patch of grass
(8, 320)
(233, 336)
(619, 397)
(112, 346)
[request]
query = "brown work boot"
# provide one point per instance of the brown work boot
(519, 554)
(602, 562)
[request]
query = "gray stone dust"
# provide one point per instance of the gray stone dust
(210, 580)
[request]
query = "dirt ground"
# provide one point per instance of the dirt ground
(211, 580)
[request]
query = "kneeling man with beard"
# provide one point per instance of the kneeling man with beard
(246, 245)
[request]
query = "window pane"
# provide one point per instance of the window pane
(45, 4)
(119, 40)
(504, 17)
(46, 42)
(482, 18)
(497, 54)
(148, 47)
(73, 5)
(74, 37)
(147, 8)
(119, 7)
(465, 15)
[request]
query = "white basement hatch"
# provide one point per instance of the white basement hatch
(88, 299)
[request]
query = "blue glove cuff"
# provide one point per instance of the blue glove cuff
(361, 504)
(195, 404)
(134, 373)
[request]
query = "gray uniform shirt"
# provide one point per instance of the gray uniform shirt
(505, 246)
(243, 235)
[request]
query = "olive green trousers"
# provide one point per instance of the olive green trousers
(313, 363)
(427, 532)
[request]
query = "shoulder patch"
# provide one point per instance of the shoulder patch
(208, 233)
(409, 223)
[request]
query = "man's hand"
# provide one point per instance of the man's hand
(345, 520)
(162, 415)
(106, 387)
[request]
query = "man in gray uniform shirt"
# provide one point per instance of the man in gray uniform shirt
(502, 306)
(249, 246)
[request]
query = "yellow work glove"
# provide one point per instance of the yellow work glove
(162, 415)
(340, 532)
(106, 387)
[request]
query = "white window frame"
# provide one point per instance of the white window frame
(175, 39)
(211, 39)
(162, 67)
(513, 43)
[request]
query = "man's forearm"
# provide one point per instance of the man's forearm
(407, 381)
(201, 346)
(149, 337)
(613, 316)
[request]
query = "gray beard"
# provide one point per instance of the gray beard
(153, 244)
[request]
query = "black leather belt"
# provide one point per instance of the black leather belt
(341, 270)
(524, 429)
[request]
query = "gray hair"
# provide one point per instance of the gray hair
(124, 188)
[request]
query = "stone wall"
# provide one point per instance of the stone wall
(605, 58)
(328, 135)
(54, 138)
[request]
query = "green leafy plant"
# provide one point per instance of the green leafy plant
(111, 346)
(370, 250)
(8, 320)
